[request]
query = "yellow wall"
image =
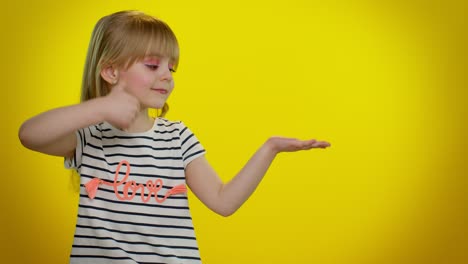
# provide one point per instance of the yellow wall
(384, 83)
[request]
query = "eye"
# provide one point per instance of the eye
(152, 66)
(171, 68)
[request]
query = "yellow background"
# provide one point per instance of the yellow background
(383, 81)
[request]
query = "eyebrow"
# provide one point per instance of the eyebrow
(159, 56)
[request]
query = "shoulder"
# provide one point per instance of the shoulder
(92, 131)
(164, 124)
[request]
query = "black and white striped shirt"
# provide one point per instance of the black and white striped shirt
(120, 225)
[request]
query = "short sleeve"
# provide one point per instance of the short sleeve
(190, 146)
(82, 136)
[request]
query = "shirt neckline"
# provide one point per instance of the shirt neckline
(118, 131)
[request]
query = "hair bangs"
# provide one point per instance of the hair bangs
(163, 43)
(149, 37)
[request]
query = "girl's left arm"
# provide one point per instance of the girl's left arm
(226, 198)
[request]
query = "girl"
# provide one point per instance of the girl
(133, 168)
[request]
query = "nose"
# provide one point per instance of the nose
(166, 74)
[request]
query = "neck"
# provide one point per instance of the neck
(142, 123)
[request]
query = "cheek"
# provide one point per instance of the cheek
(138, 82)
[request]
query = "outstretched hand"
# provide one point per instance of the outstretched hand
(283, 144)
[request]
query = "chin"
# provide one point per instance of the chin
(158, 105)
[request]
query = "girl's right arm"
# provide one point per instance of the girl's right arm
(53, 132)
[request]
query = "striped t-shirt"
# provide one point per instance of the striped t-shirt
(116, 223)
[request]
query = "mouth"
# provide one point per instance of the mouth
(159, 90)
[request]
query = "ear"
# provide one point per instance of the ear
(110, 74)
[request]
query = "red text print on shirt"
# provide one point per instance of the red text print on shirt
(151, 187)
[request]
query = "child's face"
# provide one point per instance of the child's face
(149, 80)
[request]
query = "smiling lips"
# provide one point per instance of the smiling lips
(159, 90)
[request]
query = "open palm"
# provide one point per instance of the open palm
(284, 144)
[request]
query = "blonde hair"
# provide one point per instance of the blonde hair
(121, 39)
